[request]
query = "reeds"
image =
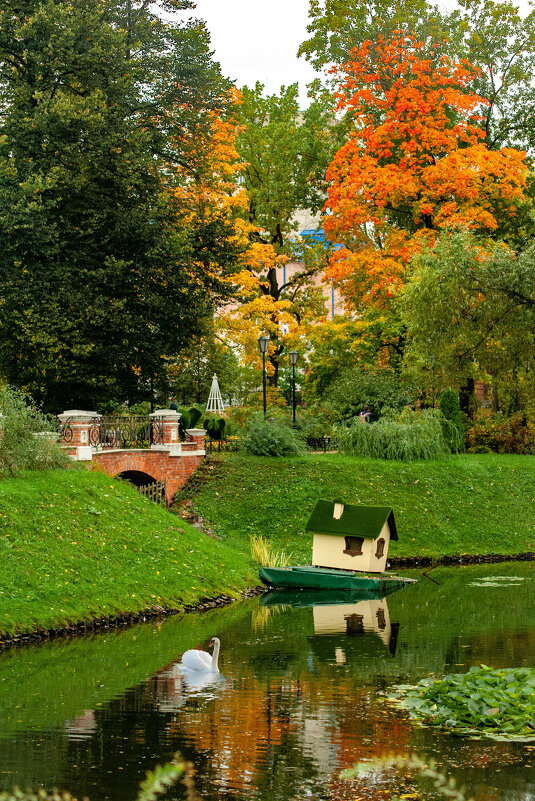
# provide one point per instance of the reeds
(406, 437)
(263, 554)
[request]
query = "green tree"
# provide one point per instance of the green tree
(338, 26)
(285, 152)
(190, 373)
(100, 276)
(453, 423)
(379, 390)
(470, 311)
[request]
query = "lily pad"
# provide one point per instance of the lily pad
(483, 703)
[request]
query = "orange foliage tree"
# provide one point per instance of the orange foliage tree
(415, 164)
(204, 193)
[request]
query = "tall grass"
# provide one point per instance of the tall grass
(263, 554)
(27, 439)
(406, 437)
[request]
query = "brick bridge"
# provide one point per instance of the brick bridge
(137, 449)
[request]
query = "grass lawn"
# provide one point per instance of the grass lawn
(77, 545)
(471, 504)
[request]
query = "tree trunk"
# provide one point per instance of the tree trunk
(466, 397)
(494, 402)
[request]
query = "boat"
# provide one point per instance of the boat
(349, 552)
(308, 577)
(304, 598)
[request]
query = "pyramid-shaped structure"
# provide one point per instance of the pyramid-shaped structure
(215, 401)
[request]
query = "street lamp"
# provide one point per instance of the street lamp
(293, 362)
(263, 343)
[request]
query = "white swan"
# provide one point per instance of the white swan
(201, 660)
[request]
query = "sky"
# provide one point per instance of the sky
(256, 41)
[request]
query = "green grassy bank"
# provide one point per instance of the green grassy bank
(75, 546)
(471, 504)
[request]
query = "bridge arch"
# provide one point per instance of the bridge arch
(137, 477)
(166, 459)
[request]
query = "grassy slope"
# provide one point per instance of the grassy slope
(482, 504)
(76, 545)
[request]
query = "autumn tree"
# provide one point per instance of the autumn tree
(415, 164)
(493, 35)
(103, 273)
(285, 152)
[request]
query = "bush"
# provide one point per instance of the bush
(379, 390)
(270, 438)
(215, 427)
(316, 421)
(27, 438)
(407, 437)
(453, 423)
(501, 434)
(189, 417)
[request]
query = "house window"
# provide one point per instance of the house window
(353, 546)
(354, 624)
(381, 618)
(380, 548)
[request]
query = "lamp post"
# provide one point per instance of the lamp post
(263, 343)
(293, 362)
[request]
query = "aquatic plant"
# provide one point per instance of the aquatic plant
(483, 703)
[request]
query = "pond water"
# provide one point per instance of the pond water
(297, 700)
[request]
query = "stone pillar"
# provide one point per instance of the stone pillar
(76, 434)
(197, 436)
(170, 426)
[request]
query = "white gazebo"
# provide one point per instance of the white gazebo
(215, 401)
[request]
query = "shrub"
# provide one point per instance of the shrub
(316, 421)
(501, 434)
(407, 437)
(215, 427)
(270, 438)
(453, 421)
(189, 417)
(379, 390)
(27, 438)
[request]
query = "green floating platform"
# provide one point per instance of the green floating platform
(307, 577)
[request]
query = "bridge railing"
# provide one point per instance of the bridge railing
(118, 432)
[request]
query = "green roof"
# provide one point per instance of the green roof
(356, 520)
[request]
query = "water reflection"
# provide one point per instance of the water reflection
(175, 683)
(296, 700)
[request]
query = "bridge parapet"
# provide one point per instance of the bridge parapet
(76, 427)
(119, 445)
(168, 419)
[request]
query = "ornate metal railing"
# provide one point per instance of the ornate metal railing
(321, 444)
(119, 432)
(66, 433)
(221, 445)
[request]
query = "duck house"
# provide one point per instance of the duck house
(351, 537)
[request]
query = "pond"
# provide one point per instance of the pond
(298, 699)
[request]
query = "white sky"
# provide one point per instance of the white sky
(258, 41)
